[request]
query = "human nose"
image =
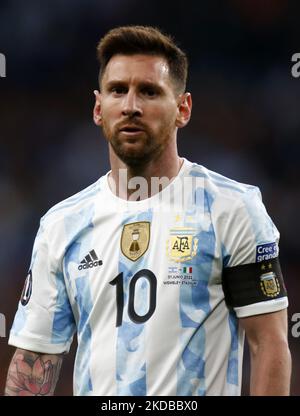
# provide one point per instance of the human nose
(131, 105)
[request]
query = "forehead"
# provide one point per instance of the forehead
(135, 68)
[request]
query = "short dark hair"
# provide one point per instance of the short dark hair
(148, 40)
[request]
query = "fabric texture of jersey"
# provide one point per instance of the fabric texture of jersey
(141, 284)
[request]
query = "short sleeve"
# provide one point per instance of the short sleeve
(251, 258)
(44, 321)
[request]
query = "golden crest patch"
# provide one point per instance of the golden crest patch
(269, 284)
(135, 239)
(182, 244)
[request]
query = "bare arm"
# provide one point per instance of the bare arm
(32, 374)
(269, 353)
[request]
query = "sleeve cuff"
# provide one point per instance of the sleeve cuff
(37, 346)
(262, 307)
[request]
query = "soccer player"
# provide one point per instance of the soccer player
(160, 283)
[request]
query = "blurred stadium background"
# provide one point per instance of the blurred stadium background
(245, 122)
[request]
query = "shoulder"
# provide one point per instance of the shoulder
(220, 184)
(73, 205)
(220, 189)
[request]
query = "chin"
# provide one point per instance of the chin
(133, 154)
(137, 153)
(134, 159)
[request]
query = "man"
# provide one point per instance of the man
(160, 289)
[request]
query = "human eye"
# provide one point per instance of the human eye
(149, 92)
(118, 90)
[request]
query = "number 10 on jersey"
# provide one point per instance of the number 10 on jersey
(119, 283)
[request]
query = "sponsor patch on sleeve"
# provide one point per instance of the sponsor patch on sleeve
(26, 293)
(266, 251)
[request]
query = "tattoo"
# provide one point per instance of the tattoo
(32, 374)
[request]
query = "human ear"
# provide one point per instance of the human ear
(184, 109)
(97, 109)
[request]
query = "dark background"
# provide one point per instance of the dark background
(245, 121)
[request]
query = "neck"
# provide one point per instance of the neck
(134, 183)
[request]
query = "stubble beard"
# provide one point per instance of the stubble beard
(141, 156)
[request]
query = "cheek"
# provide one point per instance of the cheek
(110, 109)
(163, 115)
(166, 118)
(109, 117)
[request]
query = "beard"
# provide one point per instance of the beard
(139, 151)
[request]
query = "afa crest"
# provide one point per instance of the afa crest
(135, 239)
(269, 283)
(182, 244)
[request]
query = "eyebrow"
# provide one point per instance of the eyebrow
(141, 85)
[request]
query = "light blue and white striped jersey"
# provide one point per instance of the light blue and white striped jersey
(141, 284)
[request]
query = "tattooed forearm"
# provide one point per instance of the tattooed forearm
(32, 374)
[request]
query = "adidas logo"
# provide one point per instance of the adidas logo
(90, 260)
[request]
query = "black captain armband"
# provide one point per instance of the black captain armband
(252, 283)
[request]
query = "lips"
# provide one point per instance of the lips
(131, 129)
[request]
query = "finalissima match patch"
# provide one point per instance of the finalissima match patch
(266, 252)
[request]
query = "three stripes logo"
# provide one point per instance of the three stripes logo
(90, 260)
